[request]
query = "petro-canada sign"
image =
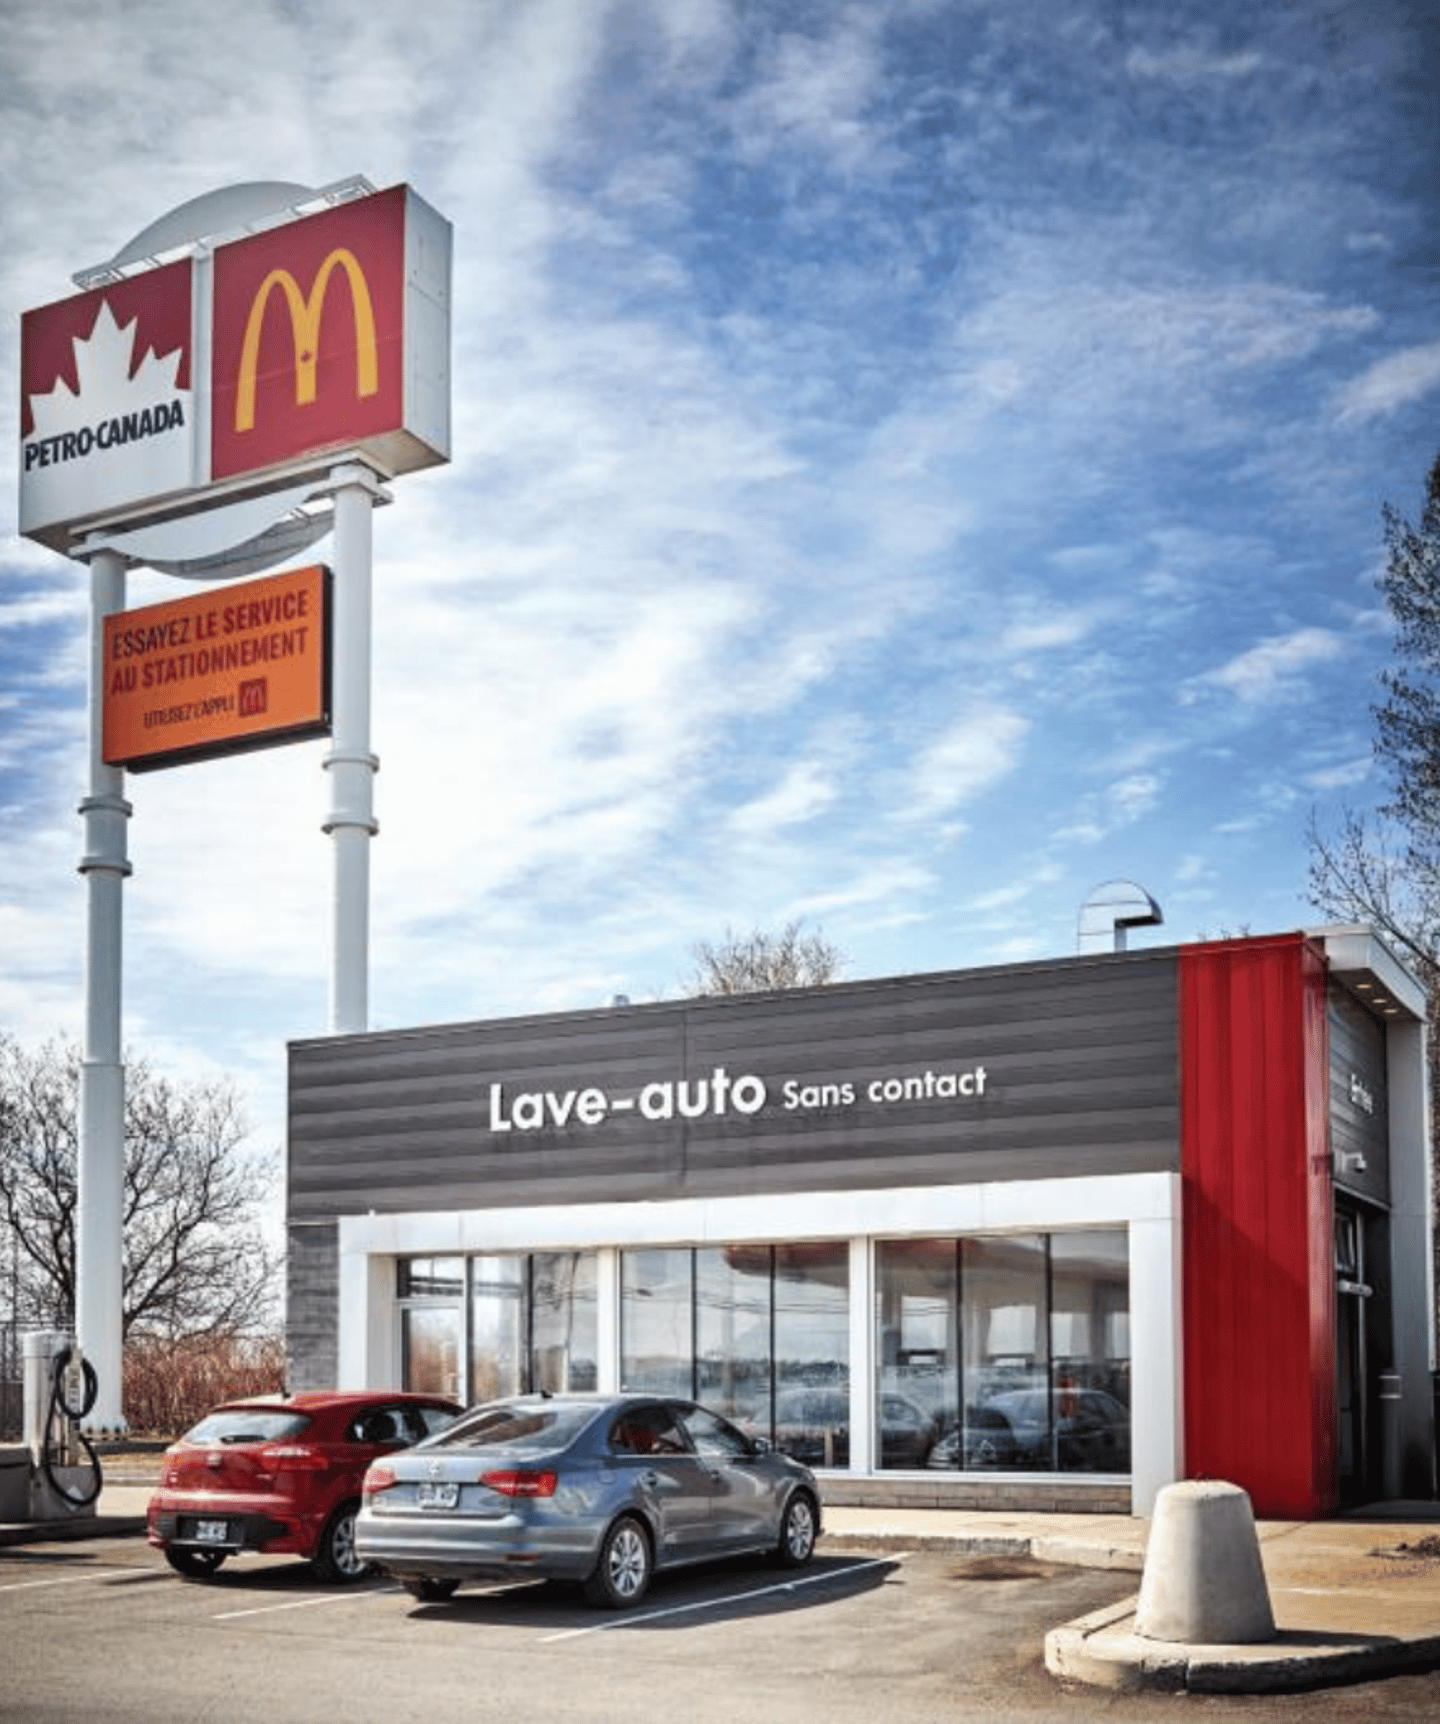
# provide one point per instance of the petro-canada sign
(240, 370)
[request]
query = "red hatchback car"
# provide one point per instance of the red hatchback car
(282, 1474)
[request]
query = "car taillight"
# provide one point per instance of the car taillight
(294, 1458)
(521, 1482)
(378, 1477)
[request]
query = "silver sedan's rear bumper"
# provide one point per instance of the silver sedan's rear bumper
(422, 1546)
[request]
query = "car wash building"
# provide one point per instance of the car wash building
(1045, 1236)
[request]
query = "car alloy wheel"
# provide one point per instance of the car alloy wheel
(797, 1532)
(623, 1571)
(335, 1557)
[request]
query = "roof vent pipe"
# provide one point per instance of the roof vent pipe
(1110, 910)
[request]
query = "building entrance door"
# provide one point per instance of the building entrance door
(1358, 1461)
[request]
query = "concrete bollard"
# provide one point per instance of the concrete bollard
(1204, 1582)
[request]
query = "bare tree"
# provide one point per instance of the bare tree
(760, 962)
(195, 1256)
(1361, 871)
(1385, 869)
(1407, 723)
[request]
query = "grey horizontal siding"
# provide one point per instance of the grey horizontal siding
(1357, 1049)
(312, 1270)
(1080, 1057)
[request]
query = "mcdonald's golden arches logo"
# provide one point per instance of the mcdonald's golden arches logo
(308, 350)
(305, 314)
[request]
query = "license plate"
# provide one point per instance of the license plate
(437, 1496)
(211, 1531)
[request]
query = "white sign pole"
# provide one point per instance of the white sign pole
(351, 765)
(100, 1173)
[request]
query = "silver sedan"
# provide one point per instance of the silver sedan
(598, 1489)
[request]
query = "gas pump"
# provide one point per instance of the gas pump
(60, 1388)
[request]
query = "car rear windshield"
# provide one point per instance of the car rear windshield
(540, 1425)
(247, 1425)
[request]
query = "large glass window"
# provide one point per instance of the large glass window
(812, 1353)
(919, 1359)
(564, 1324)
(431, 1277)
(430, 1324)
(732, 1331)
(1090, 1350)
(758, 1332)
(1007, 1352)
(478, 1328)
(657, 1321)
(498, 1352)
(430, 1350)
(1006, 1364)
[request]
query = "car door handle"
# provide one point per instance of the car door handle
(650, 1479)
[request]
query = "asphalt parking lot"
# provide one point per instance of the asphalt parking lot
(103, 1630)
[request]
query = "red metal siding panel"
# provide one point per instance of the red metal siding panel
(1258, 1296)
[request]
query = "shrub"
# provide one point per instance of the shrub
(170, 1383)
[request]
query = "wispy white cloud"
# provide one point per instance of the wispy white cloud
(1040, 634)
(1122, 803)
(1190, 63)
(1389, 384)
(1344, 775)
(1275, 669)
(969, 757)
(804, 791)
(814, 94)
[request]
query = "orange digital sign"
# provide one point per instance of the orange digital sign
(240, 667)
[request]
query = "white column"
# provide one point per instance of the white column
(351, 765)
(607, 1320)
(863, 1374)
(100, 1173)
(1157, 1353)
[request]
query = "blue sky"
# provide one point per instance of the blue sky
(914, 461)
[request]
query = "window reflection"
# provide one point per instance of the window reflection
(758, 1332)
(657, 1336)
(916, 1293)
(812, 1353)
(497, 1327)
(732, 1331)
(1040, 1377)
(1090, 1350)
(564, 1324)
(430, 1350)
(992, 1353)
(430, 1277)
(529, 1322)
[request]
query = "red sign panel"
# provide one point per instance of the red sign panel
(240, 667)
(154, 310)
(308, 348)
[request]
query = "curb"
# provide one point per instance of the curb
(1095, 1650)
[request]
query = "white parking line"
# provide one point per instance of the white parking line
(338, 1597)
(64, 1579)
(629, 1619)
